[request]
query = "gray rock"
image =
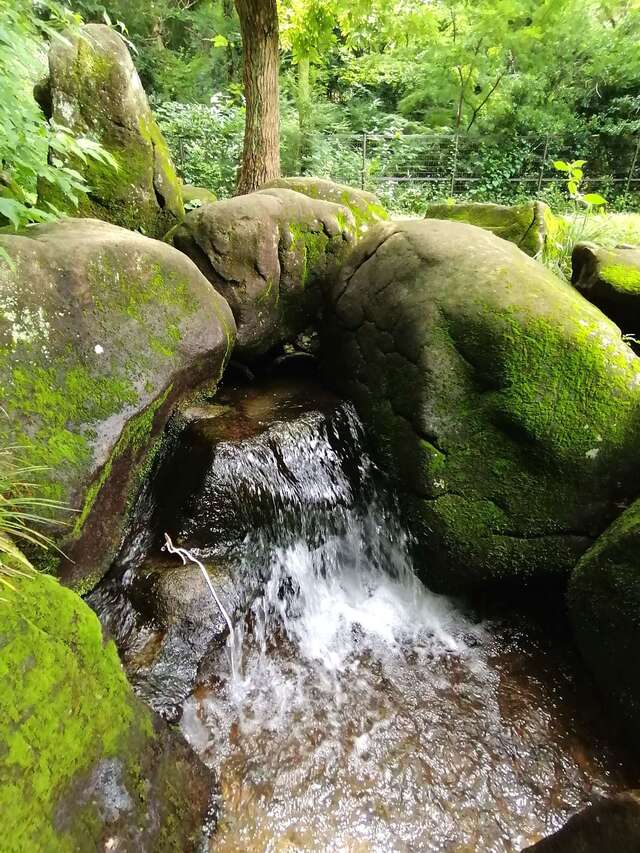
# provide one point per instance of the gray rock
(610, 278)
(270, 254)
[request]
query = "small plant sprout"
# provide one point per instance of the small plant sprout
(573, 174)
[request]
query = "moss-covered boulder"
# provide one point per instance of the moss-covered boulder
(195, 196)
(604, 602)
(365, 207)
(269, 254)
(102, 330)
(506, 406)
(610, 278)
(84, 765)
(94, 90)
(531, 226)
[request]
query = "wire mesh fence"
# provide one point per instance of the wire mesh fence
(460, 165)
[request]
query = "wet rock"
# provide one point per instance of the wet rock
(166, 623)
(365, 207)
(94, 90)
(83, 763)
(531, 226)
(505, 405)
(604, 603)
(102, 331)
(610, 278)
(269, 254)
(258, 462)
(610, 824)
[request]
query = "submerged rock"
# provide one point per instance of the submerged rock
(83, 764)
(604, 603)
(365, 207)
(93, 89)
(269, 254)
(531, 226)
(102, 331)
(610, 824)
(506, 406)
(610, 278)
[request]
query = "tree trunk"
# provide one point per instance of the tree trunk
(261, 155)
(304, 114)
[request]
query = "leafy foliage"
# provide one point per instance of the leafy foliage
(32, 148)
(23, 513)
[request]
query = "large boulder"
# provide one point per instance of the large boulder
(604, 603)
(269, 254)
(531, 225)
(505, 405)
(94, 90)
(84, 765)
(102, 330)
(365, 206)
(610, 278)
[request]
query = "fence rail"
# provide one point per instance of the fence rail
(450, 160)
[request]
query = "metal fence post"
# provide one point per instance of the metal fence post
(454, 166)
(633, 166)
(544, 162)
(364, 160)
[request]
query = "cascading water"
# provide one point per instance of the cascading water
(365, 713)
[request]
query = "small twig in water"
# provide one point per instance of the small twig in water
(187, 557)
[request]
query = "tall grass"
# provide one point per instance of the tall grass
(605, 229)
(25, 515)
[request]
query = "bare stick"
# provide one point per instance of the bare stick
(187, 557)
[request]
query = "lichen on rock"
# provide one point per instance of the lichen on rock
(94, 90)
(101, 332)
(505, 405)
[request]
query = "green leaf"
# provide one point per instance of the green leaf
(594, 199)
(13, 210)
(561, 166)
(572, 186)
(220, 41)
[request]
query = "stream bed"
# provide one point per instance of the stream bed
(362, 712)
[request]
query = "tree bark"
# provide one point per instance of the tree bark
(261, 154)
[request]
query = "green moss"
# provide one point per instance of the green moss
(622, 277)
(312, 245)
(604, 603)
(65, 704)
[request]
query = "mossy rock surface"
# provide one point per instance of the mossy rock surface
(604, 603)
(505, 405)
(610, 278)
(531, 226)
(202, 195)
(102, 330)
(270, 254)
(94, 90)
(365, 206)
(82, 760)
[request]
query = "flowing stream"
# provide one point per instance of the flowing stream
(364, 713)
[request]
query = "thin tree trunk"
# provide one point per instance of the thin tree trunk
(261, 154)
(304, 113)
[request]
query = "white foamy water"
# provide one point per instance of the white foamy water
(372, 715)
